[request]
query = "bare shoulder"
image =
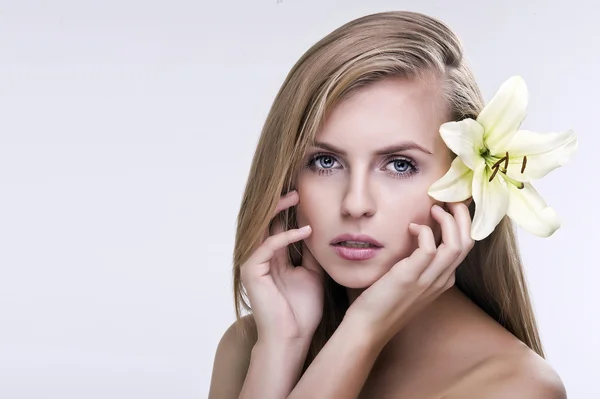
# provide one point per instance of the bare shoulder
(232, 359)
(235, 337)
(517, 374)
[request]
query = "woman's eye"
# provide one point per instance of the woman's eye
(401, 165)
(326, 161)
(323, 162)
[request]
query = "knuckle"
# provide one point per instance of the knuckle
(450, 282)
(470, 244)
(423, 283)
(271, 241)
(455, 250)
(439, 284)
(429, 252)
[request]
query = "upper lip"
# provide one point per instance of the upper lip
(356, 237)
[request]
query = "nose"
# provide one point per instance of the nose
(358, 200)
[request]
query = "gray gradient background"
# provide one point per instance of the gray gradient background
(127, 130)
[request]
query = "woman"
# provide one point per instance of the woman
(388, 291)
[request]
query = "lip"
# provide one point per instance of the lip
(356, 253)
(356, 237)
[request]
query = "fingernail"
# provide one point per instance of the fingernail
(290, 193)
(412, 225)
(305, 228)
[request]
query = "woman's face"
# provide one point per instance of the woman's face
(375, 157)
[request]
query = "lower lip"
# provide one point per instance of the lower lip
(356, 253)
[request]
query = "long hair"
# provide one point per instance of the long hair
(374, 47)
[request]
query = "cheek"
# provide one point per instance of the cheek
(317, 208)
(311, 204)
(311, 210)
(423, 215)
(411, 204)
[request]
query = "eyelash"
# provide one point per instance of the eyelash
(401, 175)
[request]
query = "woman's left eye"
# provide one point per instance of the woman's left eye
(402, 167)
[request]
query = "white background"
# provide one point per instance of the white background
(126, 134)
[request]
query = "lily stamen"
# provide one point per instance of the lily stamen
(524, 163)
(496, 166)
(503, 159)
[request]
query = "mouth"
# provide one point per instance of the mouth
(356, 241)
(356, 247)
(355, 244)
(356, 253)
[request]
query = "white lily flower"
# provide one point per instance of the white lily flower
(496, 162)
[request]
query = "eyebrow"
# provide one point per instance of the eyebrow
(406, 145)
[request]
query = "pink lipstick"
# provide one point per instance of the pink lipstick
(356, 246)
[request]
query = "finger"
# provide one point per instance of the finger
(276, 226)
(444, 281)
(285, 201)
(280, 261)
(449, 250)
(418, 261)
(267, 249)
(451, 245)
(461, 214)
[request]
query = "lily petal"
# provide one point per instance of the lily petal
(465, 139)
(503, 115)
(529, 210)
(455, 185)
(545, 152)
(491, 202)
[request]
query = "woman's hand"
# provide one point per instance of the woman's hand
(287, 301)
(414, 282)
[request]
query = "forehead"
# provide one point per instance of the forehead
(387, 112)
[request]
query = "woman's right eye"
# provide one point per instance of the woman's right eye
(322, 163)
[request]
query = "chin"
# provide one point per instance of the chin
(355, 274)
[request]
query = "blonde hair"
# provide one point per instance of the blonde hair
(374, 47)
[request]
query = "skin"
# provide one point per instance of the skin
(378, 195)
(409, 332)
(353, 190)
